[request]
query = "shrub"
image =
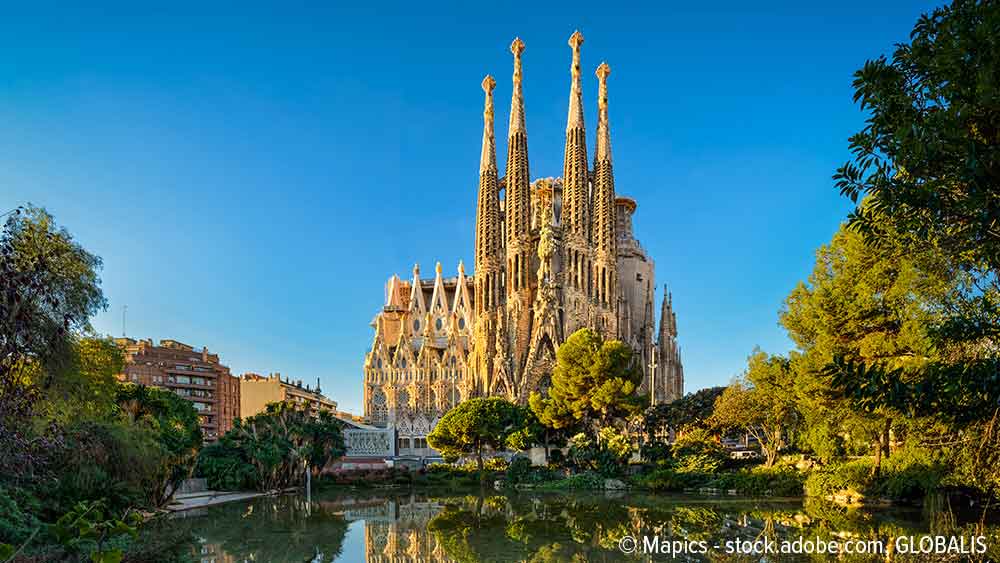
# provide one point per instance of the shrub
(852, 476)
(225, 469)
(17, 516)
(586, 481)
(669, 480)
(521, 471)
(761, 481)
(697, 451)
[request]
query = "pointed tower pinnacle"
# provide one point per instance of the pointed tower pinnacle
(575, 118)
(517, 99)
(576, 190)
(488, 160)
(603, 149)
(489, 245)
(603, 233)
(517, 185)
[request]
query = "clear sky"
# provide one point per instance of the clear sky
(253, 173)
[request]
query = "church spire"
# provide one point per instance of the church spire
(605, 259)
(488, 159)
(489, 248)
(576, 196)
(603, 149)
(517, 185)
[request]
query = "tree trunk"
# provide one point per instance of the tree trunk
(479, 462)
(877, 466)
(885, 438)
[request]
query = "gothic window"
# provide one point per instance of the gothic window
(439, 324)
(402, 363)
(461, 322)
(416, 325)
(403, 399)
(380, 409)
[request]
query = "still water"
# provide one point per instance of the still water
(576, 527)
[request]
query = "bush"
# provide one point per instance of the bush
(761, 481)
(225, 469)
(669, 480)
(520, 471)
(697, 451)
(586, 481)
(17, 516)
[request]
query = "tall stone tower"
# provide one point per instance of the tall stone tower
(577, 256)
(606, 294)
(517, 221)
(489, 267)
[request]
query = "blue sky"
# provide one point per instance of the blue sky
(253, 173)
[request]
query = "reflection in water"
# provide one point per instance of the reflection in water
(402, 528)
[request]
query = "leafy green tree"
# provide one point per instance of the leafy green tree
(49, 287)
(174, 423)
(929, 154)
(478, 425)
(698, 451)
(594, 385)
(927, 167)
(273, 449)
(691, 410)
(761, 403)
(86, 386)
(871, 305)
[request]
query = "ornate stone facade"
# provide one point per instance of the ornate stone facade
(551, 256)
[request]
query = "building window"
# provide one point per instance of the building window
(416, 324)
(461, 322)
(404, 443)
(438, 324)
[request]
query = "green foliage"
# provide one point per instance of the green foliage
(666, 480)
(223, 465)
(593, 385)
(928, 157)
(478, 425)
(698, 451)
(86, 385)
(88, 526)
(925, 168)
(108, 460)
(691, 410)
(18, 521)
(273, 449)
(761, 481)
(586, 481)
(761, 404)
(173, 422)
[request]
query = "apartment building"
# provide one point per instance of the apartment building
(197, 376)
(257, 391)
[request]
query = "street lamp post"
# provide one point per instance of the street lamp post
(652, 377)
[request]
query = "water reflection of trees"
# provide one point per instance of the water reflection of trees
(548, 528)
(273, 529)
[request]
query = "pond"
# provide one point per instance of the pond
(578, 527)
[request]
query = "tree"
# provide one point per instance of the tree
(691, 410)
(273, 449)
(593, 385)
(761, 403)
(928, 157)
(174, 424)
(477, 425)
(927, 168)
(49, 288)
(874, 305)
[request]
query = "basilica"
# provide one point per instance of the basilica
(552, 255)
